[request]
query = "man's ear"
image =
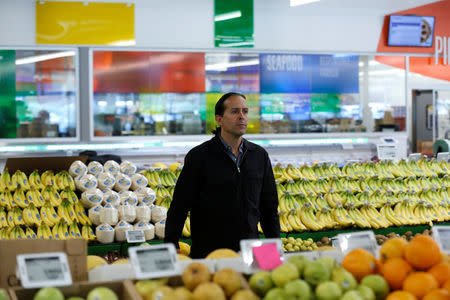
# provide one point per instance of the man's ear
(219, 119)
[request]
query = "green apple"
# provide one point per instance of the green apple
(328, 262)
(328, 290)
(344, 279)
(366, 292)
(284, 273)
(261, 282)
(352, 295)
(316, 272)
(299, 261)
(276, 294)
(102, 293)
(298, 289)
(378, 284)
(75, 298)
(49, 293)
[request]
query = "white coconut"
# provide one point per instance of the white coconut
(121, 228)
(128, 168)
(109, 215)
(91, 198)
(160, 228)
(123, 182)
(111, 197)
(143, 213)
(127, 213)
(112, 167)
(105, 233)
(148, 228)
(87, 181)
(106, 180)
(77, 168)
(125, 195)
(94, 214)
(146, 195)
(159, 213)
(94, 168)
(137, 181)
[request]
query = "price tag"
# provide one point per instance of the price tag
(442, 235)
(154, 261)
(387, 151)
(44, 269)
(135, 236)
(363, 239)
(261, 254)
(414, 156)
(442, 156)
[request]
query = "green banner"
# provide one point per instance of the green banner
(8, 116)
(233, 23)
(325, 103)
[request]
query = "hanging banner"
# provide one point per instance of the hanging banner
(85, 23)
(233, 23)
(8, 118)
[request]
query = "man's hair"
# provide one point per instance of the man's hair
(220, 107)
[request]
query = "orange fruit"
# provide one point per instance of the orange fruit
(441, 272)
(395, 271)
(422, 252)
(360, 263)
(401, 295)
(419, 284)
(394, 247)
(437, 294)
(445, 258)
(446, 285)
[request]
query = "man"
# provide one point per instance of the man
(227, 184)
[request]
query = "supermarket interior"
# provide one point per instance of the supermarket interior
(118, 119)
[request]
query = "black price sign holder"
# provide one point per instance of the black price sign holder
(44, 269)
(154, 261)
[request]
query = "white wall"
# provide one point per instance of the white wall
(328, 25)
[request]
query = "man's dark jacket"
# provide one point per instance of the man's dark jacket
(226, 201)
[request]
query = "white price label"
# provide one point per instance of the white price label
(44, 269)
(442, 235)
(135, 236)
(387, 151)
(442, 156)
(154, 261)
(363, 239)
(414, 156)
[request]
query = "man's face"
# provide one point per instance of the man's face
(235, 117)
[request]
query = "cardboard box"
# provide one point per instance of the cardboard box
(124, 290)
(76, 250)
(29, 164)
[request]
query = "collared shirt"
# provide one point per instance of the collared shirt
(229, 150)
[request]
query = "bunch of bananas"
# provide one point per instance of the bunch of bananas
(167, 178)
(164, 202)
(161, 193)
(34, 202)
(152, 176)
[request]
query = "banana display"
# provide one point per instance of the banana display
(41, 206)
(367, 195)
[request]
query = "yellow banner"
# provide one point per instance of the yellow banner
(88, 23)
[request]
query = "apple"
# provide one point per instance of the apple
(299, 261)
(378, 284)
(284, 273)
(102, 293)
(366, 292)
(316, 272)
(49, 293)
(261, 282)
(208, 291)
(298, 289)
(276, 294)
(244, 295)
(228, 280)
(195, 274)
(328, 290)
(344, 279)
(352, 295)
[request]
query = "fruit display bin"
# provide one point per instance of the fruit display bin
(124, 289)
(122, 248)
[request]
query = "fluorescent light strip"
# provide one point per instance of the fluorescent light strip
(224, 66)
(228, 16)
(236, 44)
(37, 58)
(302, 2)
